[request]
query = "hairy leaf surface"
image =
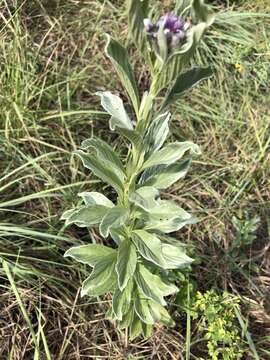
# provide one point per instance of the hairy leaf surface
(119, 57)
(163, 176)
(95, 198)
(102, 170)
(149, 246)
(145, 197)
(126, 262)
(135, 327)
(90, 254)
(102, 279)
(137, 12)
(106, 153)
(146, 309)
(87, 216)
(167, 217)
(175, 257)
(171, 153)
(156, 133)
(185, 82)
(152, 286)
(114, 218)
(122, 299)
(114, 106)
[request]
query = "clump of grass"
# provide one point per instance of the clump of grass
(51, 65)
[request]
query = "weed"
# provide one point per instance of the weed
(218, 320)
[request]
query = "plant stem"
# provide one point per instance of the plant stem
(144, 113)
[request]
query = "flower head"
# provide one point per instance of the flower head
(174, 27)
(171, 22)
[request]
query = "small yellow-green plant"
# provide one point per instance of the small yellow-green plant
(244, 229)
(219, 323)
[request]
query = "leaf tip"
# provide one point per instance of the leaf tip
(67, 253)
(99, 93)
(108, 40)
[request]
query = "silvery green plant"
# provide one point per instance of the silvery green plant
(136, 271)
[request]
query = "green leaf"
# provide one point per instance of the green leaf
(163, 176)
(67, 214)
(126, 262)
(152, 286)
(135, 327)
(175, 257)
(171, 153)
(102, 279)
(119, 57)
(114, 218)
(101, 170)
(153, 312)
(185, 82)
(162, 43)
(121, 300)
(202, 12)
(137, 12)
(156, 134)
(131, 135)
(149, 246)
(179, 59)
(145, 197)
(118, 235)
(147, 330)
(114, 106)
(163, 216)
(95, 198)
(87, 216)
(146, 309)
(109, 315)
(106, 153)
(90, 254)
(165, 317)
(127, 319)
(167, 217)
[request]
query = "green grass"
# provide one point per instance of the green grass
(52, 63)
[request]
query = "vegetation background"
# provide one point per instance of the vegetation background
(52, 62)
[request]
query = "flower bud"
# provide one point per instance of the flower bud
(173, 27)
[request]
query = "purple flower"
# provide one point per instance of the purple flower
(174, 27)
(171, 22)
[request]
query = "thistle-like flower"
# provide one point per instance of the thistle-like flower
(171, 28)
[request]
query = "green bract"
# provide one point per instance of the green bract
(136, 272)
